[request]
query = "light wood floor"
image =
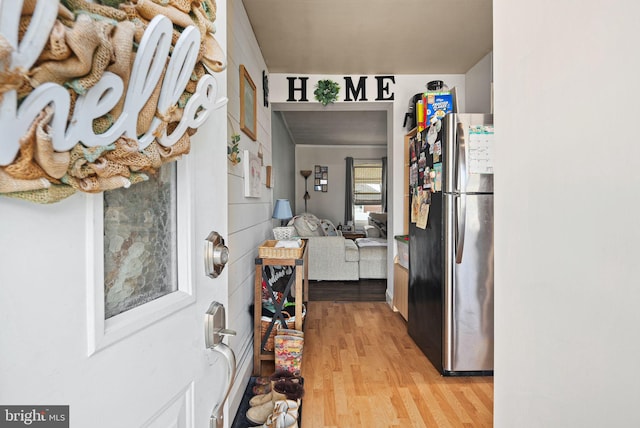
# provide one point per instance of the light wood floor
(361, 369)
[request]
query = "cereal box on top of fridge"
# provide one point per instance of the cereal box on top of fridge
(438, 105)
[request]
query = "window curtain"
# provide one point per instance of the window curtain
(384, 184)
(348, 191)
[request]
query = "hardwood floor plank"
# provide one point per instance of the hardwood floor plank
(469, 402)
(427, 403)
(361, 369)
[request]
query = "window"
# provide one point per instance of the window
(367, 192)
(140, 242)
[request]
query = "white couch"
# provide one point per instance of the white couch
(373, 248)
(334, 258)
(373, 258)
(331, 256)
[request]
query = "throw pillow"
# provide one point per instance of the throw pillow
(371, 231)
(328, 228)
(379, 220)
(307, 225)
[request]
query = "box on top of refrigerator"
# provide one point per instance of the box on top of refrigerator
(438, 105)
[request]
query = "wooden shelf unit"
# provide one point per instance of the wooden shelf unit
(301, 290)
(400, 273)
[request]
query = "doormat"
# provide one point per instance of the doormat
(241, 421)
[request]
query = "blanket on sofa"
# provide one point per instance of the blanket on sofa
(371, 242)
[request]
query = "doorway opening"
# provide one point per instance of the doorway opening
(324, 136)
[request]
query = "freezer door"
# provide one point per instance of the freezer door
(426, 261)
(468, 153)
(468, 289)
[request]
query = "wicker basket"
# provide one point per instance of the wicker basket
(268, 250)
(285, 232)
(265, 322)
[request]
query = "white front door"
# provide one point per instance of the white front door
(103, 297)
(144, 367)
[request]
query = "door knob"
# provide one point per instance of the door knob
(216, 255)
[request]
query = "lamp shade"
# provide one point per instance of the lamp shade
(282, 209)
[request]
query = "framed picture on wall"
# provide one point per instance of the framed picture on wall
(252, 175)
(248, 109)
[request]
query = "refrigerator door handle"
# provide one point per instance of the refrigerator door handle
(461, 220)
(462, 158)
(461, 200)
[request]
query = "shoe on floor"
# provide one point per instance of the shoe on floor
(285, 415)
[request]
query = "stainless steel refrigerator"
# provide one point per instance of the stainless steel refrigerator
(451, 259)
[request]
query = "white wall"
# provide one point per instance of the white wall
(329, 204)
(249, 218)
(284, 161)
(567, 274)
(478, 86)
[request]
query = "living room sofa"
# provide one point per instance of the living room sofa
(373, 258)
(331, 256)
(373, 248)
(335, 258)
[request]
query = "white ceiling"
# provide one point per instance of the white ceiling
(366, 37)
(360, 128)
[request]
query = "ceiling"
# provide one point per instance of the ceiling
(366, 37)
(360, 128)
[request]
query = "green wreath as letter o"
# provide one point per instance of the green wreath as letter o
(326, 91)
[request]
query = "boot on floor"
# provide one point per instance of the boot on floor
(283, 390)
(285, 415)
(275, 377)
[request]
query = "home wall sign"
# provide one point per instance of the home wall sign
(97, 97)
(297, 88)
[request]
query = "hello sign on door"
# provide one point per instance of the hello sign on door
(68, 129)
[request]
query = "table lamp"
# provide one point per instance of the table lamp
(282, 212)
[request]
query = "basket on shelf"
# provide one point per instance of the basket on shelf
(265, 322)
(285, 232)
(268, 250)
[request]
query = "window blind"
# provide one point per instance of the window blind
(367, 178)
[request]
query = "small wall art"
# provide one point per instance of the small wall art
(321, 178)
(252, 175)
(248, 112)
(268, 176)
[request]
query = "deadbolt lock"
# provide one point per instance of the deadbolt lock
(216, 255)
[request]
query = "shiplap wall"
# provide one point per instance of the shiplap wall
(249, 218)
